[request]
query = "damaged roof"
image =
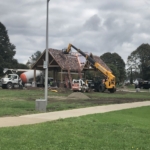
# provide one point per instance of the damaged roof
(69, 61)
(65, 61)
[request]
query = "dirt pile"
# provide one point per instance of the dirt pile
(78, 95)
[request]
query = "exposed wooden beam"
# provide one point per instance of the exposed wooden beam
(88, 68)
(70, 73)
(53, 66)
(50, 66)
(51, 61)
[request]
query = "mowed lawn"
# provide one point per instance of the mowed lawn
(120, 130)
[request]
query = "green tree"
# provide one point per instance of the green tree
(1, 62)
(116, 64)
(17, 65)
(115, 71)
(7, 49)
(33, 58)
(139, 61)
(7, 52)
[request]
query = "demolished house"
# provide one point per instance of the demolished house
(64, 66)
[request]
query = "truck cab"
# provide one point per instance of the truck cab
(10, 81)
(97, 84)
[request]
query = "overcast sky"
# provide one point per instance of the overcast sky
(92, 25)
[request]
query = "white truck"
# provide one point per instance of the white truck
(25, 79)
(11, 81)
(79, 85)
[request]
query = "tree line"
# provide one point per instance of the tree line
(138, 62)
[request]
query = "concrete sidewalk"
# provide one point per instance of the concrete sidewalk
(44, 117)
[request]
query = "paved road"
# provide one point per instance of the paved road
(44, 117)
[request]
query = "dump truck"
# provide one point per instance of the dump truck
(109, 83)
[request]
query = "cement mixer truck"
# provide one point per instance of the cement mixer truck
(28, 78)
(14, 80)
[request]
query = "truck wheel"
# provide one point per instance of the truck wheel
(112, 90)
(20, 86)
(83, 90)
(3, 86)
(88, 90)
(9, 85)
(101, 88)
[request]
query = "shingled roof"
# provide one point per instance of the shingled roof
(64, 61)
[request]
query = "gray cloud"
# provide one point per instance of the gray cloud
(93, 23)
(93, 26)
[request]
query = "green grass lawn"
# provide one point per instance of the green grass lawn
(120, 130)
(19, 102)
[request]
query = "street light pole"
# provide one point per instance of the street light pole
(40, 103)
(46, 54)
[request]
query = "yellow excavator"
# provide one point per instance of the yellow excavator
(109, 83)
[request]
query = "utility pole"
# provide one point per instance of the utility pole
(42, 103)
(46, 54)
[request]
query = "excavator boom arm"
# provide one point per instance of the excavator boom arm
(82, 53)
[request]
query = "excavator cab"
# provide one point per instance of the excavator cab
(67, 50)
(64, 51)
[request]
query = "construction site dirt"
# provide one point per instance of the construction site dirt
(97, 101)
(82, 98)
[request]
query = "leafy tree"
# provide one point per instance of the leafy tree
(139, 61)
(116, 64)
(22, 66)
(115, 71)
(17, 65)
(7, 52)
(33, 58)
(1, 62)
(90, 74)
